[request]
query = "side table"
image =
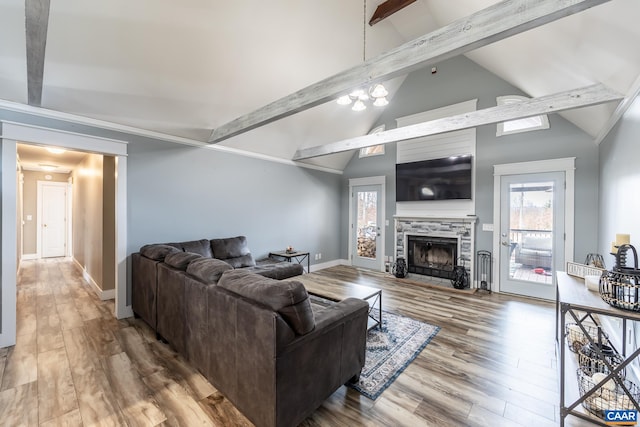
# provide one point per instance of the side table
(299, 256)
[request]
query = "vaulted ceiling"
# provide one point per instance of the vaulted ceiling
(186, 68)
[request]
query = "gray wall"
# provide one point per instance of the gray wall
(459, 80)
(620, 183)
(182, 193)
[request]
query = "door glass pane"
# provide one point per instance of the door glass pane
(531, 231)
(366, 223)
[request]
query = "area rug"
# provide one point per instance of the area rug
(390, 350)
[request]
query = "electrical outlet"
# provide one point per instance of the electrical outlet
(320, 255)
(316, 257)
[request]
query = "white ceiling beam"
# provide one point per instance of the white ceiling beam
(36, 24)
(487, 26)
(582, 97)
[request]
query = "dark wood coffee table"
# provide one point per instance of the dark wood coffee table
(340, 291)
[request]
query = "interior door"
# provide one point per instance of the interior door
(53, 219)
(531, 233)
(366, 227)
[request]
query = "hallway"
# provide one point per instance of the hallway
(75, 364)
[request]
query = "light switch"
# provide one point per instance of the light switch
(487, 227)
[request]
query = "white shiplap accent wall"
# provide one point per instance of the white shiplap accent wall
(434, 147)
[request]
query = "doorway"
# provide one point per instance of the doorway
(533, 213)
(11, 134)
(52, 217)
(366, 216)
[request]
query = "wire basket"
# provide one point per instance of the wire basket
(589, 360)
(577, 339)
(609, 396)
(620, 287)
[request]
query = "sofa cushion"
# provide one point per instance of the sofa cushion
(157, 252)
(202, 247)
(289, 298)
(233, 250)
(181, 260)
(277, 270)
(208, 270)
(537, 243)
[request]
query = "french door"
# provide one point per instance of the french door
(367, 249)
(532, 233)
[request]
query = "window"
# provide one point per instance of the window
(520, 125)
(375, 150)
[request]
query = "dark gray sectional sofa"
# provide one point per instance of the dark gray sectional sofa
(260, 341)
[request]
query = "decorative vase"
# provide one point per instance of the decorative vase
(399, 268)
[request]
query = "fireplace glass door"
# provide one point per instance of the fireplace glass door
(531, 233)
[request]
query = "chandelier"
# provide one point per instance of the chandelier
(377, 94)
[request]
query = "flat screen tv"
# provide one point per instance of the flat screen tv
(448, 178)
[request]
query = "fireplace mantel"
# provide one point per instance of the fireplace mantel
(470, 218)
(462, 227)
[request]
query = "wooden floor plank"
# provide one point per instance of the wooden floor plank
(222, 413)
(180, 370)
(49, 333)
(70, 419)
(56, 391)
(102, 338)
(19, 405)
(141, 356)
(134, 398)
(22, 362)
(96, 400)
(177, 404)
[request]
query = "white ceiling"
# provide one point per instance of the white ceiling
(184, 68)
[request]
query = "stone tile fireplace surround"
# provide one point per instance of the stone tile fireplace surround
(461, 228)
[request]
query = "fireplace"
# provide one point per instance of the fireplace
(431, 255)
(458, 231)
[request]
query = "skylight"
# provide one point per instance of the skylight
(520, 125)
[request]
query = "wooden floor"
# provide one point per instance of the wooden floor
(492, 363)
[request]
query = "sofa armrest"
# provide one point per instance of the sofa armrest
(347, 310)
(314, 365)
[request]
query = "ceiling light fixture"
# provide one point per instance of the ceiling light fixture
(56, 150)
(47, 168)
(376, 93)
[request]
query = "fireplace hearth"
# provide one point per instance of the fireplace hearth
(432, 256)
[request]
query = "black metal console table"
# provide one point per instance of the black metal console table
(573, 299)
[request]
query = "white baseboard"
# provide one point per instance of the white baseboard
(26, 257)
(333, 263)
(128, 312)
(103, 295)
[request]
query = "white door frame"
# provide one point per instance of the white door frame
(373, 180)
(11, 133)
(39, 207)
(566, 165)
